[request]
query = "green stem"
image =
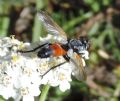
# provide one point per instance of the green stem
(44, 92)
(4, 26)
(38, 29)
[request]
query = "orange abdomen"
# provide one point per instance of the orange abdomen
(58, 50)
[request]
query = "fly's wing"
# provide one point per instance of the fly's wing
(51, 26)
(79, 69)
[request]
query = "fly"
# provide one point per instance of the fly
(61, 48)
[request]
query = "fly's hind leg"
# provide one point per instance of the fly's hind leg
(21, 51)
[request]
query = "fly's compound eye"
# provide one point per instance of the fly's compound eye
(85, 41)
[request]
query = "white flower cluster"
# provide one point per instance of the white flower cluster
(21, 74)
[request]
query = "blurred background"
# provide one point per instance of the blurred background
(99, 20)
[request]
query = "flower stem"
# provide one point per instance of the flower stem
(44, 92)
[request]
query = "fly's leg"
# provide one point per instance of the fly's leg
(53, 68)
(21, 51)
(66, 57)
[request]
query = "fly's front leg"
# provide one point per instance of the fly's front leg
(66, 57)
(21, 51)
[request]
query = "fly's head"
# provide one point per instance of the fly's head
(85, 42)
(80, 46)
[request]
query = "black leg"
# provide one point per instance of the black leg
(53, 68)
(33, 49)
(66, 57)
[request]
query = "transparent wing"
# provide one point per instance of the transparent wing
(51, 26)
(79, 69)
